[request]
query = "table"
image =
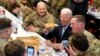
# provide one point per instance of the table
(20, 32)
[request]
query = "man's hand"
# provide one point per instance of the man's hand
(31, 28)
(49, 43)
(71, 51)
(58, 46)
(47, 28)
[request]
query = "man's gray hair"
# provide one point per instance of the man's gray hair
(67, 10)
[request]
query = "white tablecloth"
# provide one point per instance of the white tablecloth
(22, 33)
(16, 22)
(95, 14)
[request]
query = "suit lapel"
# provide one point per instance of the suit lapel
(60, 31)
(66, 31)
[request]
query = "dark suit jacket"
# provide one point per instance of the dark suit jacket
(79, 8)
(56, 33)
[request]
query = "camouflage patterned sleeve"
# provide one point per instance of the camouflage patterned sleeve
(54, 3)
(51, 19)
(28, 20)
(26, 11)
(39, 31)
(94, 49)
(61, 3)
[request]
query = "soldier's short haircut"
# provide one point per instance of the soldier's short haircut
(80, 42)
(80, 18)
(18, 48)
(5, 23)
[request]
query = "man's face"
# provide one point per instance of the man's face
(64, 19)
(75, 25)
(41, 10)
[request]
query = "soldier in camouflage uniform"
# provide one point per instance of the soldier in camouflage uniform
(94, 49)
(78, 45)
(22, 11)
(26, 11)
(37, 20)
(9, 3)
(78, 26)
(5, 32)
(24, 3)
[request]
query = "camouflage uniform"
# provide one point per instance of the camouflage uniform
(2, 3)
(21, 4)
(8, 5)
(90, 38)
(97, 3)
(26, 11)
(94, 49)
(2, 44)
(38, 22)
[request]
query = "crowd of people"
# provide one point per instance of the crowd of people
(70, 17)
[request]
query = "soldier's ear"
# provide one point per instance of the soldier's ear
(6, 30)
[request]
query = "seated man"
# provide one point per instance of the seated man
(5, 32)
(78, 26)
(37, 20)
(63, 31)
(20, 11)
(8, 3)
(78, 45)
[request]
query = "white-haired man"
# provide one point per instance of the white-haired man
(63, 31)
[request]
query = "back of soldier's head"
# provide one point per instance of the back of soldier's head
(80, 42)
(18, 48)
(5, 28)
(5, 23)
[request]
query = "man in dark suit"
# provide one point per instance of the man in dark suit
(63, 31)
(59, 33)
